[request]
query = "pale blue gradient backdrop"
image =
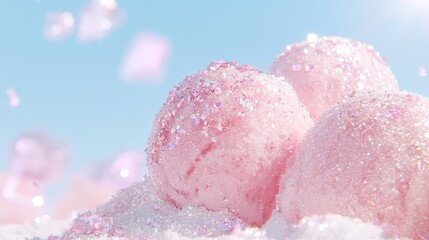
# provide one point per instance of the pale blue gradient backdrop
(72, 90)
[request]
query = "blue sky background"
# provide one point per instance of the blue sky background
(72, 91)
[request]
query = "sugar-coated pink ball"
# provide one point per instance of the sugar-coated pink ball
(323, 71)
(223, 138)
(367, 157)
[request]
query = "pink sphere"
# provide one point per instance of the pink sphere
(223, 138)
(324, 71)
(367, 157)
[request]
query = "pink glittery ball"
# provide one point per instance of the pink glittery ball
(367, 157)
(325, 70)
(223, 138)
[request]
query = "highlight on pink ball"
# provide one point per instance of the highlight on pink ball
(324, 70)
(98, 19)
(14, 100)
(366, 158)
(223, 138)
(37, 156)
(58, 25)
(146, 59)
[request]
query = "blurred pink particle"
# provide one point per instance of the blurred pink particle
(58, 25)
(422, 72)
(14, 100)
(146, 59)
(97, 19)
(38, 157)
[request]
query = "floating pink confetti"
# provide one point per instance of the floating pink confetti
(58, 25)
(422, 72)
(146, 59)
(98, 18)
(14, 100)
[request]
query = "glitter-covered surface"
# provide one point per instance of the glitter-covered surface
(191, 224)
(324, 70)
(136, 213)
(368, 158)
(223, 138)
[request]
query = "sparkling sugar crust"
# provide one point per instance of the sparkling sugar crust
(367, 157)
(223, 138)
(136, 213)
(323, 71)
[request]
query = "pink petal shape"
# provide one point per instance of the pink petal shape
(14, 100)
(58, 25)
(422, 72)
(146, 59)
(98, 19)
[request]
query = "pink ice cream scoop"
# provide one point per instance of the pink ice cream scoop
(223, 138)
(368, 158)
(323, 71)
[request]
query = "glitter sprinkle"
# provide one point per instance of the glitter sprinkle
(296, 67)
(170, 146)
(218, 91)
